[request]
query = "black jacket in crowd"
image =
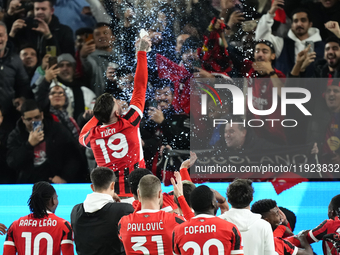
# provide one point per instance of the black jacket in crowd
(173, 131)
(62, 153)
(62, 38)
(14, 83)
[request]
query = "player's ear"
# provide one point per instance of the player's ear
(92, 187)
(112, 186)
(138, 194)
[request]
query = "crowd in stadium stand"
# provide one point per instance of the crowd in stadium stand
(63, 55)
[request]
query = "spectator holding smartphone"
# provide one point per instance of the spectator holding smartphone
(44, 30)
(47, 153)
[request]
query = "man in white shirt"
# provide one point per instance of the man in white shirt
(300, 33)
(256, 233)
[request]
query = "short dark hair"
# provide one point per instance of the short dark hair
(135, 177)
(83, 31)
(201, 199)
(103, 107)
(297, 10)
(188, 187)
(149, 186)
(29, 105)
(42, 192)
(332, 39)
(162, 83)
(335, 204)
(240, 193)
(52, 2)
(102, 177)
(263, 206)
(102, 24)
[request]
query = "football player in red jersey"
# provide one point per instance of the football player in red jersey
(167, 205)
(149, 230)
(114, 139)
(206, 233)
(330, 226)
(271, 213)
(40, 232)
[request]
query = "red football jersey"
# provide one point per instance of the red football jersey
(118, 146)
(207, 234)
(168, 203)
(284, 247)
(263, 100)
(148, 232)
(49, 235)
(326, 227)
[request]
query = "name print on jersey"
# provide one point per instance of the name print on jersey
(199, 229)
(145, 226)
(38, 223)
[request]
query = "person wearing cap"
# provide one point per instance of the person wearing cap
(300, 33)
(80, 98)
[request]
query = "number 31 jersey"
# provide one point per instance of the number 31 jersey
(148, 232)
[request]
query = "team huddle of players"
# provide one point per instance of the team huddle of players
(150, 229)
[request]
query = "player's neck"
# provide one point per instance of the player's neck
(112, 121)
(150, 205)
(247, 207)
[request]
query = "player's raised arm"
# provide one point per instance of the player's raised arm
(141, 75)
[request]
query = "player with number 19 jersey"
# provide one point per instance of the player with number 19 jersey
(148, 232)
(206, 234)
(39, 236)
(118, 146)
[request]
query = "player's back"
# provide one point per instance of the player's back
(116, 146)
(148, 232)
(284, 247)
(329, 226)
(43, 236)
(207, 234)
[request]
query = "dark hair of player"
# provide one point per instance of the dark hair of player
(188, 187)
(149, 186)
(135, 177)
(240, 193)
(202, 199)
(335, 204)
(102, 177)
(103, 107)
(42, 193)
(263, 206)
